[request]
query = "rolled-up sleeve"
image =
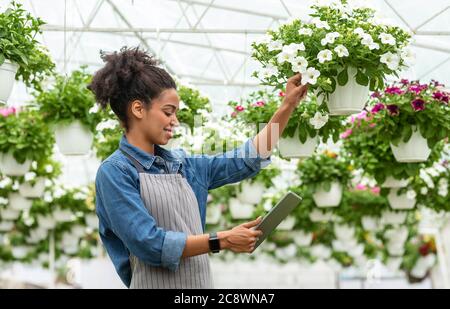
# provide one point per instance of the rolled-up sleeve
(230, 167)
(131, 222)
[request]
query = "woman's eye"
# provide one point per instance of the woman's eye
(169, 114)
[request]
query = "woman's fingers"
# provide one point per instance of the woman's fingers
(252, 223)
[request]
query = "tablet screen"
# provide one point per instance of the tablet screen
(277, 214)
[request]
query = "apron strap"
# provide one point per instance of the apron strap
(135, 162)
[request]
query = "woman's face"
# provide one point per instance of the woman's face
(159, 120)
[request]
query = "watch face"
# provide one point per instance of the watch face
(214, 243)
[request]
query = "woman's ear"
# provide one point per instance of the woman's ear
(137, 108)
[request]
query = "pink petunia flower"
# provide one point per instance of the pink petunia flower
(378, 107)
(394, 90)
(360, 187)
(240, 108)
(282, 94)
(376, 190)
(5, 112)
(347, 133)
(418, 104)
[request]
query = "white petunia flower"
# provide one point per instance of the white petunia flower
(305, 31)
(320, 23)
(330, 38)
(386, 38)
(48, 168)
(269, 71)
(373, 46)
(30, 176)
(341, 51)
(427, 179)
(366, 39)
(294, 48)
(94, 109)
(275, 45)
(285, 57)
(325, 55)
(359, 31)
(58, 192)
(15, 185)
(34, 165)
(319, 120)
(310, 76)
(80, 196)
(5, 182)
(107, 124)
(391, 60)
(411, 194)
(3, 201)
(182, 105)
(424, 191)
(299, 65)
(408, 56)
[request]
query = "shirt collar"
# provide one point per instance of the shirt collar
(147, 159)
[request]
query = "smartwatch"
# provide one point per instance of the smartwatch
(214, 243)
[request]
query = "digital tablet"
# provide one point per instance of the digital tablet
(277, 214)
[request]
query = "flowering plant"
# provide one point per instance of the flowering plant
(419, 258)
(19, 45)
(324, 169)
(407, 104)
(191, 103)
(25, 135)
(69, 100)
(371, 152)
(310, 118)
(340, 36)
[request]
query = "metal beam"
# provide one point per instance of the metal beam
(137, 34)
(234, 9)
(431, 18)
(57, 28)
(433, 45)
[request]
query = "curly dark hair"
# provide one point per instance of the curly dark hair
(128, 75)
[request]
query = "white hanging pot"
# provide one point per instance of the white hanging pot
(414, 150)
(302, 239)
(251, 193)
(10, 167)
(330, 198)
(397, 236)
(73, 139)
(6, 226)
(19, 252)
(78, 230)
(391, 182)
(287, 224)
(291, 147)
(396, 249)
(9, 214)
(92, 221)
(393, 218)
(37, 235)
(348, 99)
(33, 191)
(320, 216)
(46, 222)
(369, 223)
(400, 202)
(344, 232)
(240, 210)
(18, 202)
(321, 252)
(8, 72)
(357, 251)
(394, 263)
(63, 215)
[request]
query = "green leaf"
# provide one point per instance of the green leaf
(361, 78)
(2, 58)
(343, 77)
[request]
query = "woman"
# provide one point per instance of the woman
(151, 202)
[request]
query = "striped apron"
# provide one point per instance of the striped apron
(171, 202)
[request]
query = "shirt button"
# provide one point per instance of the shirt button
(161, 171)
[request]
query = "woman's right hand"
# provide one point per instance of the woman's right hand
(241, 238)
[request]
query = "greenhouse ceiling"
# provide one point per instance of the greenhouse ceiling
(208, 42)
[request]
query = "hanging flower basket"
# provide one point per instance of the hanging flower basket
(302, 239)
(292, 147)
(8, 72)
(251, 192)
(73, 139)
(18, 202)
(370, 223)
(404, 201)
(414, 150)
(239, 210)
(330, 198)
(35, 190)
(10, 167)
(9, 214)
(392, 182)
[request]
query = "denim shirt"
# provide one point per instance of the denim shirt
(126, 227)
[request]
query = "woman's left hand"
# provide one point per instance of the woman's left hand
(295, 91)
